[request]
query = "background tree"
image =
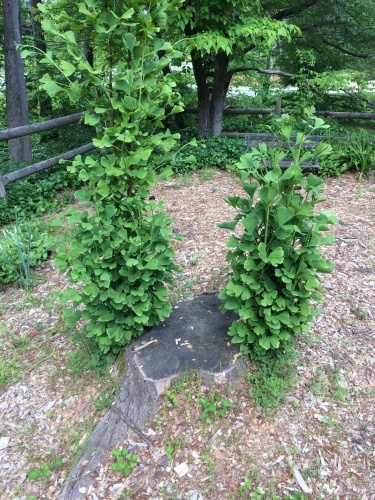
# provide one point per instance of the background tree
(269, 37)
(17, 108)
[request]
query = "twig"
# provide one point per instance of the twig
(299, 477)
(144, 345)
(130, 423)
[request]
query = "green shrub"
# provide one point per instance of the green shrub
(274, 285)
(121, 254)
(208, 152)
(355, 151)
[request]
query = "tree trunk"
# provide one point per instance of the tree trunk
(219, 92)
(211, 101)
(40, 43)
(17, 109)
(203, 91)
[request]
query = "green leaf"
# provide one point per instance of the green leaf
(232, 242)
(130, 41)
(262, 249)
(51, 87)
(284, 215)
(67, 68)
(103, 188)
(233, 200)
(228, 225)
(250, 223)
(276, 257)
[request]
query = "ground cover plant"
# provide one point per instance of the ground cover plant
(355, 150)
(274, 286)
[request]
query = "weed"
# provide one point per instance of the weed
(179, 290)
(194, 260)
(360, 313)
(207, 174)
(220, 278)
(215, 405)
(172, 447)
(126, 461)
(272, 379)
(45, 471)
(103, 400)
(171, 398)
(328, 421)
(22, 246)
(246, 490)
(187, 382)
(9, 370)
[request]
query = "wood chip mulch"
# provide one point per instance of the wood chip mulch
(320, 440)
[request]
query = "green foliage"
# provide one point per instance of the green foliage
(171, 397)
(361, 151)
(121, 248)
(9, 370)
(36, 194)
(222, 28)
(355, 151)
(126, 461)
(23, 246)
(45, 471)
(247, 490)
(274, 285)
(209, 152)
(272, 379)
(214, 406)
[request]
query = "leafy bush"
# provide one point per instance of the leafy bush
(23, 246)
(356, 151)
(121, 255)
(208, 152)
(274, 285)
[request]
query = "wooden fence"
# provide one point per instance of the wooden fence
(35, 128)
(268, 111)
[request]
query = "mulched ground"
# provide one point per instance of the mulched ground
(326, 425)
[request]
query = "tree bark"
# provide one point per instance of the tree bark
(17, 108)
(203, 92)
(211, 100)
(219, 91)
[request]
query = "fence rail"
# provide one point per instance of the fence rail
(35, 128)
(13, 133)
(268, 111)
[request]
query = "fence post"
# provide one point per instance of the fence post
(278, 107)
